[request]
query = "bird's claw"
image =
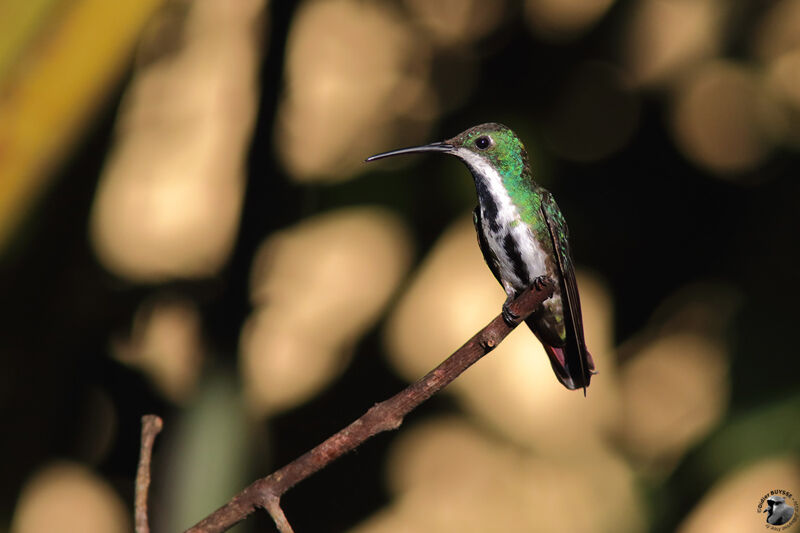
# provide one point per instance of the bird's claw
(509, 316)
(540, 283)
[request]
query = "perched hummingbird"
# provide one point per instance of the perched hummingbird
(524, 238)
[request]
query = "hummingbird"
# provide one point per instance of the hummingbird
(524, 240)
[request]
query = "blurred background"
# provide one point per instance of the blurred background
(187, 228)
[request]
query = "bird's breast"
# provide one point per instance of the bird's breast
(521, 258)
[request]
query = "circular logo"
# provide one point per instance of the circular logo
(779, 508)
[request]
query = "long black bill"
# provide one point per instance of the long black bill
(433, 147)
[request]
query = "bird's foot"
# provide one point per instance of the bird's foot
(510, 317)
(541, 282)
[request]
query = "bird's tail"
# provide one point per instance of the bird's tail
(572, 362)
(568, 368)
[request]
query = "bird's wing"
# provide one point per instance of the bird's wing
(488, 254)
(576, 353)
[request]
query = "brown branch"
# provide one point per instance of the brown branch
(267, 492)
(151, 426)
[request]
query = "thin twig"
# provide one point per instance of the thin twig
(151, 426)
(273, 507)
(267, 492)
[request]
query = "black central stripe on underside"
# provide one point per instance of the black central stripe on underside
(515, 256)
(488, 204)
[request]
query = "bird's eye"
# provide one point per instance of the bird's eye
(483, 142)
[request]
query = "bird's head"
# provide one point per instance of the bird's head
(489, 145)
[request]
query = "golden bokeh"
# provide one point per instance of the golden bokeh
(731, 506)
(559, 20)
(674, 392)
(513, 389)
(355, 72)
(667, 38)
(675, 382)
(452, 23)
(449, 299)
(718, 119)
(317, 288)
(783, 86)
(778, 31)
(448, 475)
(168, 202)
(784, 78)
(69, 498)
(777, 44)
(166, 345)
